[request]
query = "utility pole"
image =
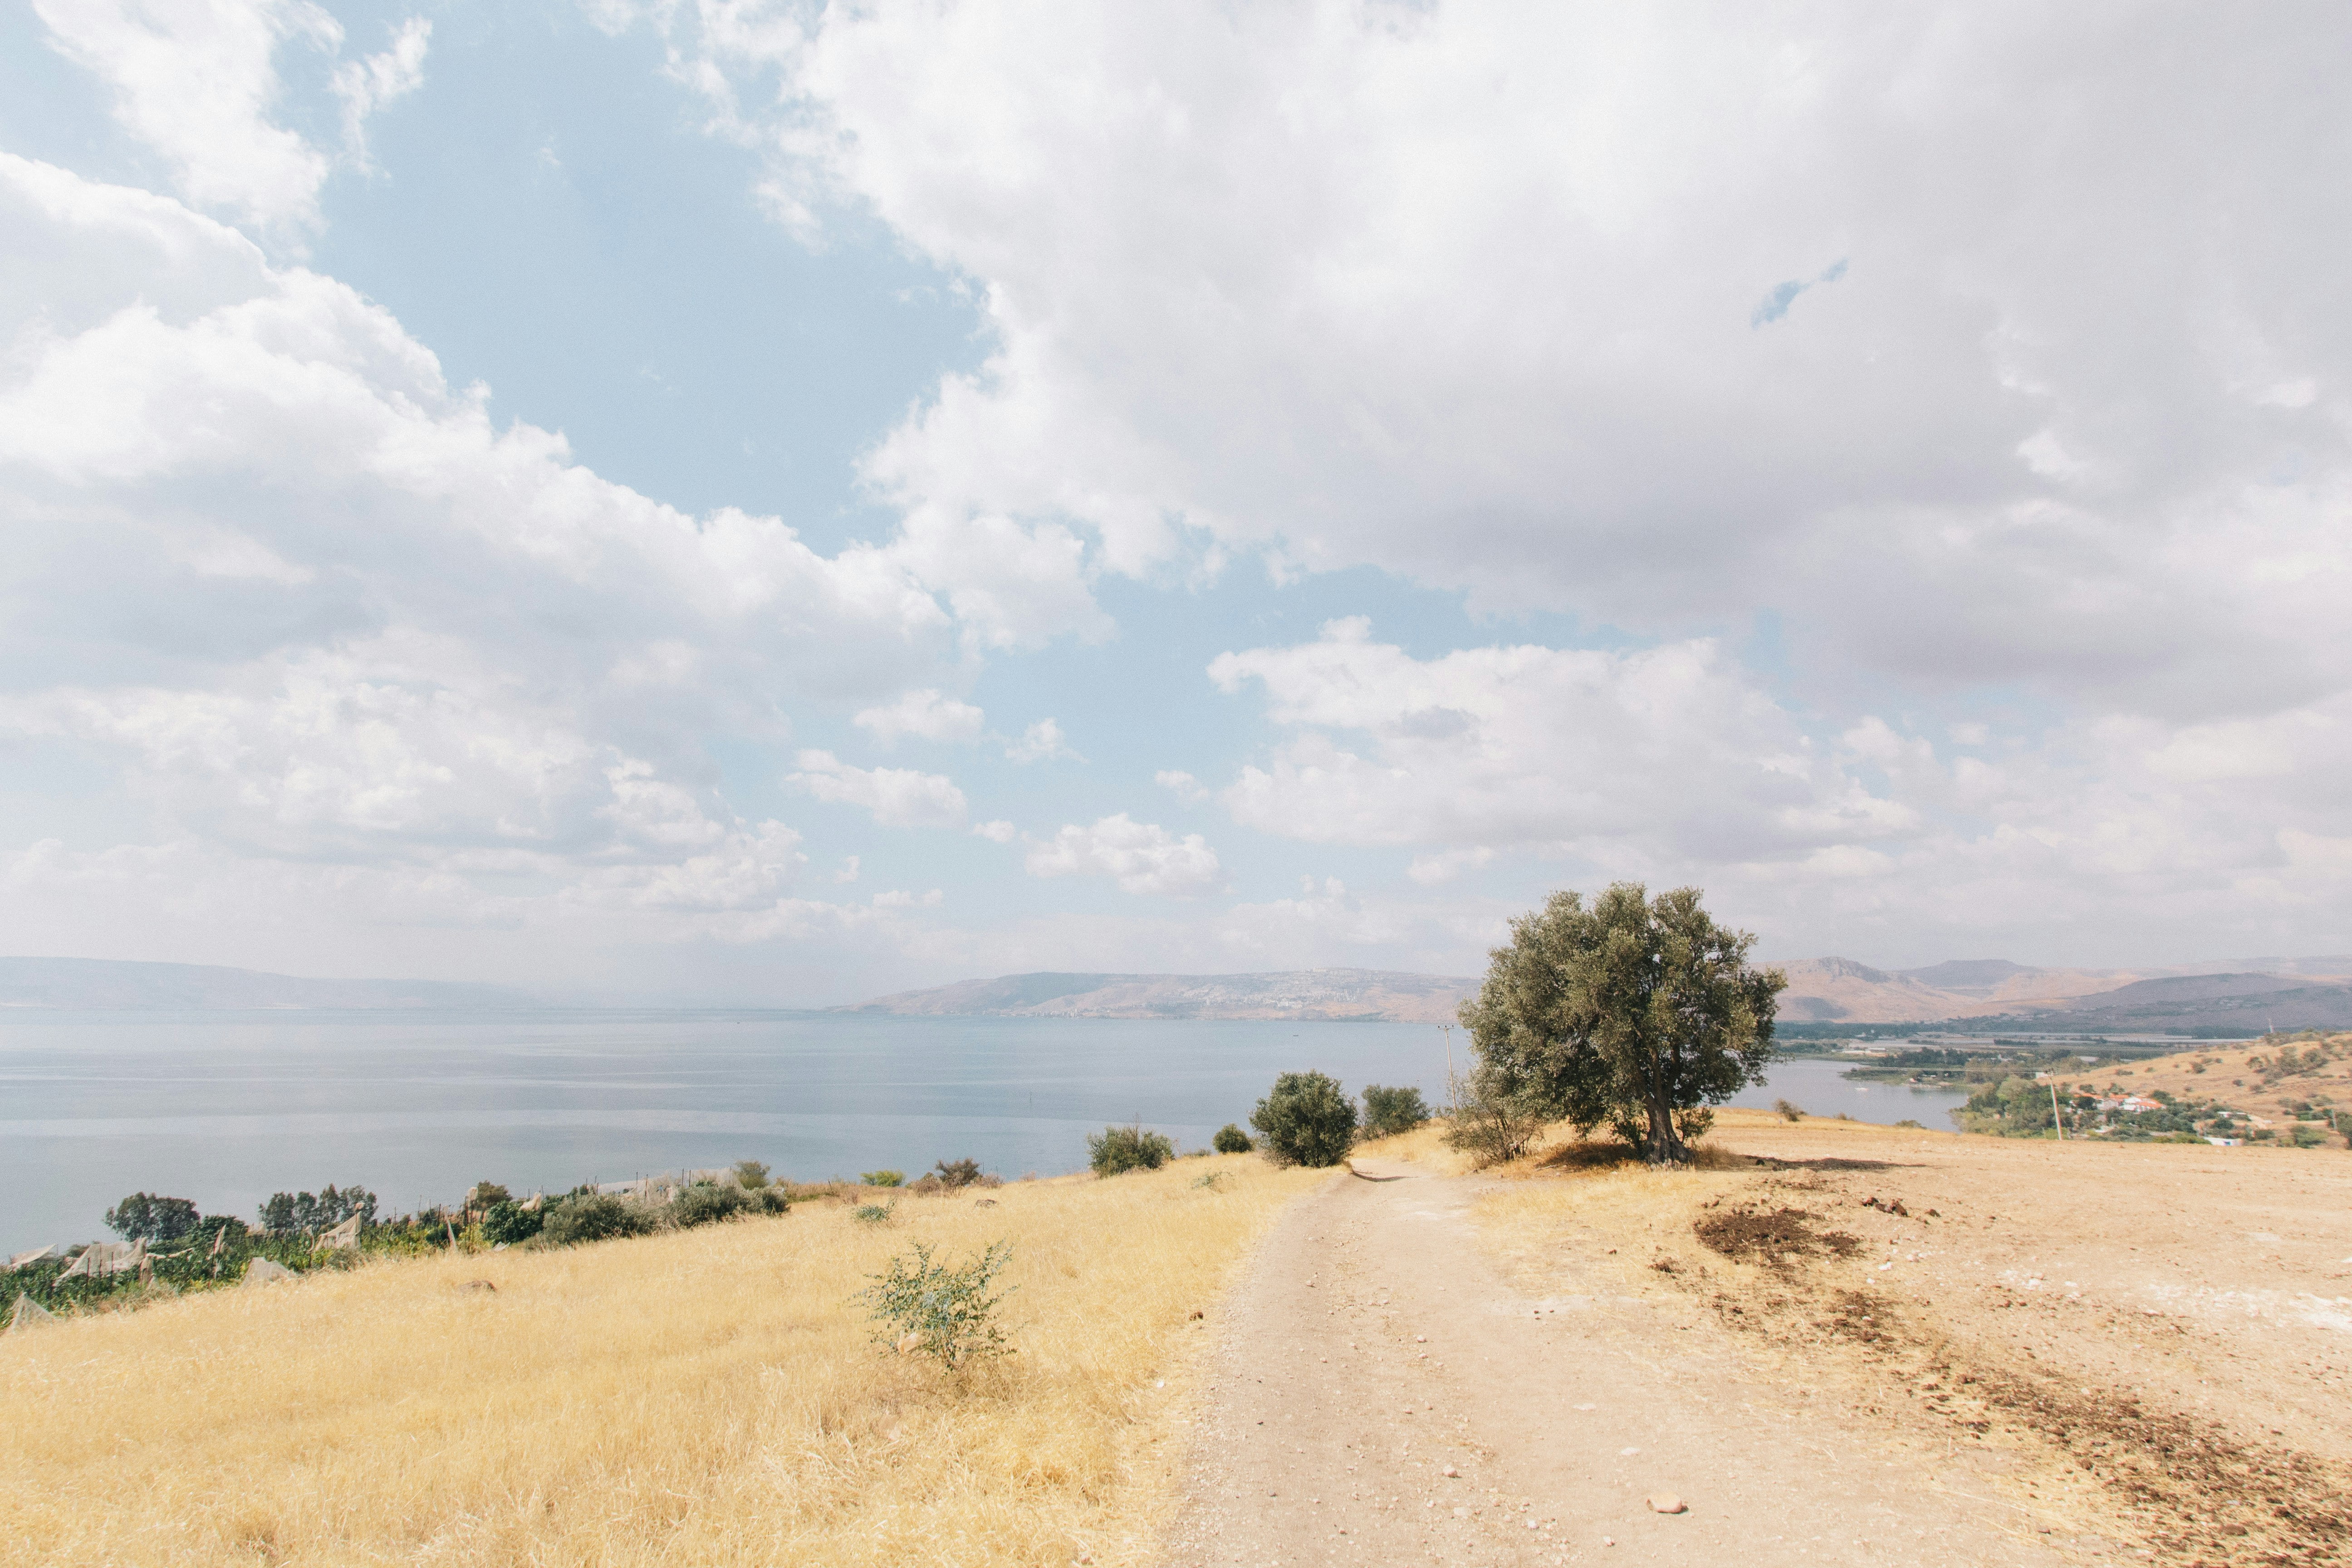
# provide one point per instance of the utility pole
(2057, 1117)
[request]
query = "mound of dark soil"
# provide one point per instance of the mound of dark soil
(1773, 1235)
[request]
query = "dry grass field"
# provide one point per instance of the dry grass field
(706, 1397)
(2145, 1344)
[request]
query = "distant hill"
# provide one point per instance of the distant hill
(99, 984)
(1992, 991)
(1365, 993)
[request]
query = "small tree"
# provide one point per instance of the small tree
(750, 1175)
(508, 1222)
(1634, 1011)
(1230, 1139)
(883, 1178)
(1307, 1119)
(1120, 1149)
(1391, 1110)
(1789, 1110)
(145, 1216)
(1491, 1127)
(955, 1175)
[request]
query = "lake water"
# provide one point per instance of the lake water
(227, 1108)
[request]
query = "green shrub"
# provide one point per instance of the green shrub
(874, 1213)
(508, 1222)
(883, 1178)
(1789, 1109)
(705, 1203)
(1119, 1149)
(1307, 1119)
(1231, 1140)
(928, 1309)
(1911, 1124)
(1392, 1111)
(751, 1175)
(771, 1200)
(592, 1218)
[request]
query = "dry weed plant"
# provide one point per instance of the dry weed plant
(703, 1397)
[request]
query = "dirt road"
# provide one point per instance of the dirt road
(1382, 1394)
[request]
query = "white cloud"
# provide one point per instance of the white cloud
(197, 80)
(1670, 749)
(345, 632)
(1447, 864)
(1470, 293)
(1041, 742)
(1181, 784)
(924, 714)
(898, 797)
(1144, 857)
(366, 85)
(997, 832)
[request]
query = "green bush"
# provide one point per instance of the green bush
(1307, 1119)
(145, 1216)
(875, 1214)
(928, 1309)
(1119, 1149)
(1231, 1140)
(507, 1222)
(1392, 1111)
(705, 1203)
(1490, 1125)
(750, 1175)
(1789, 1109)
(883, 1178)
(592, 1218)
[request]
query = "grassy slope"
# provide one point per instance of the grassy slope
(703, 1397)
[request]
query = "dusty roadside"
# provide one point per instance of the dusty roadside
(2105, 1353)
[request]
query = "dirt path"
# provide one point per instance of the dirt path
(1375, 1347)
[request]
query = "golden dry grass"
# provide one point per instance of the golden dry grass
(703, 1397)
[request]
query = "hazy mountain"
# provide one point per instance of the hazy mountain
(96, 983)
(1297, 994)
(1824, 990)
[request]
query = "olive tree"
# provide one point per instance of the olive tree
(1633, 1010)
(1307, 1118)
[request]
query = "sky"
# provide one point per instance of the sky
(759, 503)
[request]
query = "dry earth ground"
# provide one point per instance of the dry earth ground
(1835, 1342)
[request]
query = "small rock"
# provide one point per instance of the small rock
(1666, 1502)
(479, 1285)
(1452, 1471)
(1420, 1339)
(908, 1344)
(990, 1203)
(1193, 1314)
(1608, 1540)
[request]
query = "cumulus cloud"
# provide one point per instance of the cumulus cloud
(924, 714)
(197, 81)
(1181, 784)
(1144, 857)
(997, 832)
(1041, 742)
(1671, 747)
(898, 797)
(345, 621)
(1471, 294)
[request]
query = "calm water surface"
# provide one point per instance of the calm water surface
(227, 1108)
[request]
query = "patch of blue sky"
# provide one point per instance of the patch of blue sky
(1775, 304)
(547, 214)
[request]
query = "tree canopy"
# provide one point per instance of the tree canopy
(1633, 1010)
